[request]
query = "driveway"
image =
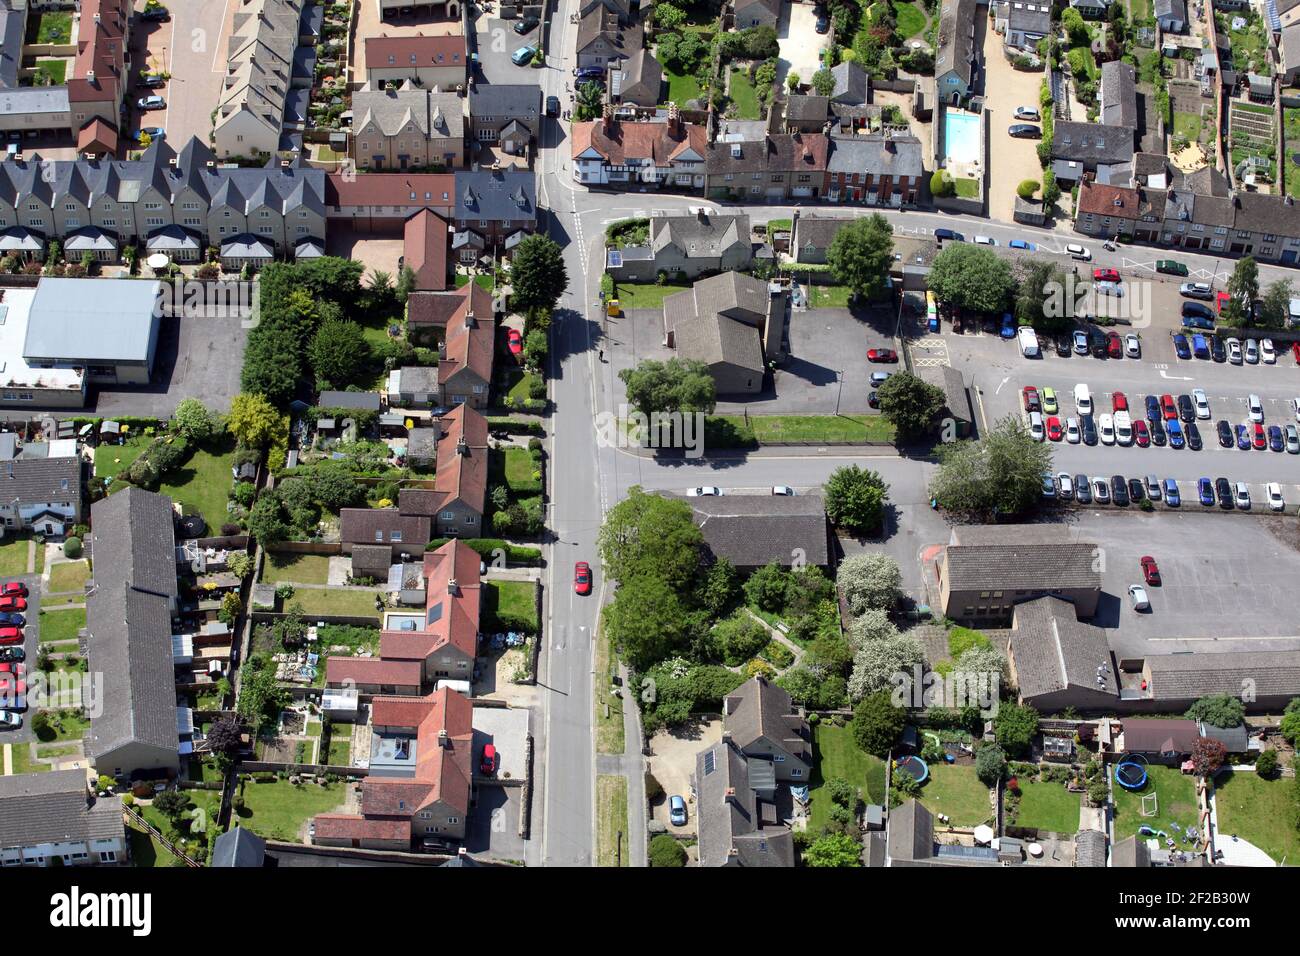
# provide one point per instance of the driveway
(496, 40)
(377, 254)
(369, 24)
(192, 47)
(506, 728)
(801, 44)
(494, 822)
(672, 763)
(1011, 161)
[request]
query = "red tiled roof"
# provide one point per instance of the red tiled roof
(455, 617)
(1119, 202)
(439, 51)
(351, 826)
(398, 711)
(470, 346)
(358, 526)
(371, 670)
(101, 51)
(425, 248)
(97, 137)
(442, 309)
(434, 190)
(458, 477)
(442, 773)
(623, 141)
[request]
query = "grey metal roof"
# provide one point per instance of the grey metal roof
(1235, 739)
(38, 480)
(54, 807)
(736, 828)
(505, 100)
(97, 320)
(1190, 676)
(754, 530)
(33, 99)
(496, 194)
(364, 401)
(1054, 651)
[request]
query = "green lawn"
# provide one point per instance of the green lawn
(1291, 119)
(1048, 806)
(682, 87)
(836, 754)
(828, 296)
(23, 762)
(1261, 811)
(69, 576)
(514, 466)
(1139, 10)
(202, 484)
(645, 296)
(611, 825)
(278, 810)
(112, 460)
(343, 602)
(13, 556)
(340, 754)
(64, 725)
(55, 27)
(62, 625)
(296, 568)
(776, 429)
(208, 801)
(515, 599)
(744, 96)
(910, 18)
(956, 791)
(1176, 802)
(146, 851)
(50, 72)
(1187, 125)
(967, 188)
(521, 388)
(609, 709)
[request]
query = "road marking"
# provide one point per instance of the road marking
(998, 390)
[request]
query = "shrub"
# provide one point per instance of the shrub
(990, 764)
(877, 723)
(72, 548)
(1266, 764)
(1218, 710)
(666, 851)
(1027, 188)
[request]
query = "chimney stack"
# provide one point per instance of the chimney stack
(730, 796)
(462, 446)
(444, 741)
(607, 117)
(469, 319)
(453, 587)
(674, 120)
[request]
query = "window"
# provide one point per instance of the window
(153, 220)
(70, 206)
(453, 820)
(778, 758)
(395, 537)
(107, 856)
(379, 537)
(796, 771)
(449, 516)
(152, 205)
(73, 222)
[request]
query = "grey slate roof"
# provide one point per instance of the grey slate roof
(1090, 848)
(1235, 739)
(956, 42)
(496, 194)
(362, 401)
(1159, 735)
(758, 709)
(128, 620)
(817, 232)
(239, 847)
(742, 823)
(1190, 676)
(1119, 94)
(107, 320)
(850, 84)
(505, 100)
(1022, 567)
(1055, 651)
(1092, 143)
(37, 480)
(1034, 16)
(876, 155)
(700, 235)
(1132, 852)
(712, 338)
(910, 833)
(52, 807)
(1172, 9)
(12, 24)
(805, 107)
(438, 115)
(754, 530)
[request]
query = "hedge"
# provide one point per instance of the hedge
(515, 553)
(516, 426)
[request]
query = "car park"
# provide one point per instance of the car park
(1072, 433)
(1205, 491)
(1119, 490)
(1275, 500)
(1076, 251)
(1100, 491)
(1181, 348)
(1082, 490)
(1223, 488)
(1242, 496)
(1106, 428)
(1132, 346)
(1172, 498)
(1197, 290)
(1201, 402)
(1138, 595)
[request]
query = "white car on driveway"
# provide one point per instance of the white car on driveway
(1275, 500)
(1202, 403)
(708, 491)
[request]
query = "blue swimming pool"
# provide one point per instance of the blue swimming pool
(961, 137)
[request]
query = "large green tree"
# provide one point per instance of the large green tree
(833, 850)
(861, 253)
(1039, 299)
(1243, 290)
(877, 723)
(537, 274)
(1275, 304)
(649, 622)
(971, 277)
(677, 385)
(910, 404)
(648, 535)
(855, 499)
(272, 363)
(590, 102)
(1001, 474)
(338, 353)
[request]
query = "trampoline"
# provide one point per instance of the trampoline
(1131, 772)
(914, 767)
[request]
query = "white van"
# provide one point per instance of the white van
(1083, 399)
(1123, 428)
(1028, 342)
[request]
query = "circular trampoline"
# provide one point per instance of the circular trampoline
(1131, 772)
(914, 767)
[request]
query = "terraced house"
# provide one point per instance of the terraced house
(608, 152)
(165, 201)
(780, 166)
(407, 127)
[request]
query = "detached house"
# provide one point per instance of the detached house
(611, 152)
(458, 498)
(606, 36)
(693, 245)
(733, 323)
(737, 809)
(762, 721)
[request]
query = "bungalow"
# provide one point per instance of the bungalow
(1158, 739)
(692, 245)
(752, 531)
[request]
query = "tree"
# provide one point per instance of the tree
(861, 254)
(1266, 764)
(876, 664)
(254, 421)
(941, 184)
(677, 385)
(266, 520)
(1208, 756)
(823, 82)
(806, 687)
(193, 420)
(1218, 710)
(72, 547)
(971, 277)
(338, 352)
(536, 345)
(1275, 304)
(873, 625)
(984, 659)
(664, 849)
(1243, 290)
(910, 404)
(1290, 726)
(171, 804)
(792, 81)
(990, 763)
(1000, 475)
(739, 638)
(590, 102)
(1014, 726)
(648, 535)
(877, 723)
(855, 499)
(537, 274)
(667, 16)
(224, 736)
(1042, 282)
(1075, 29)
(769, 588)
(648, 621)
(833, 850)
(405, 284)
(272, 363)
(871, 580)
(720, 588)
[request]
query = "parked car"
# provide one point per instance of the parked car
(1049, 486)
(707, 491)
(1054, 430)
(1100, 491)
(157, 13)
(1065, 486)
(1197, 290)
(1172, 498)
(948, 235)
(1080, 342)
(13, 604)
(1027, 113)
(1292, 439)
(1106, 428)
(1136, 490)
(1195, 309)
(154, 102)
(1205, 490)
(11, 635)
(1243, 437)
(151, 81)
(1201, 402)
(1267, 353)
(524, 55)
(1089, 429)
(1223, 488)
(1021, 244)
(1185, 410)
(1256, 408)
(1105, 275)
(985, 241)
(1242, 496)
(1226, 439)
(1181, 348)
(1234, 351)
(1132, 346)
(1037, 430)
(1082, 490)
(1193, 436)
(1275, 500)
(1167, 407)
(1138, 595)
(878, 378)
(488, 763)
(882, 355)
(1174, 429)
(552, 106)
(515, 342)
(582, 578)
(1072, 433)
(1275, 441)
(153, 132)
(1159, 437)
(15, 620)
(1024, 131)
(12, 653)
(10, 721)
(1119, 490)
(1252, 352)
(1076, 251)
(1141, 434)
(676, 811)
(1171, 267)
(526, 24)
(18, 589)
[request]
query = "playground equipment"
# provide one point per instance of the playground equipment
(914, 767)
(1131, 772)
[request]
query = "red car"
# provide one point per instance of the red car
(1257, 436)
(12, 604)
(13, 669)
(488, 765)
(11, 635)
(515, 342)
(10, 686)
(1295, 350)
(882, 355)
(1054, 431)
(1029, 395)
(1168, 407)
(1119, 401)
(1150, 570)
(1114, 347)
(1105, 275)
(13, 589)
(1140, 433)
(582, 578)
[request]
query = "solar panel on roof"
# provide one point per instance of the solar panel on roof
(615, 258)
(710, 764)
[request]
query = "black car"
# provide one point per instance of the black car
(526, 25)
(1197, 310)
(1135, 489)
(1118, 490)
(1082, 489)
(1063, 346)
(1158, 437)
(1226, 438)
(1193, 436)
(1088, 428)
(873, 400)
(1217, 351)
(552, 106)
(1098, 343)
(1024, 131)
(949, 235)
(10, 654)
(1223, 488)
(1186, 412)
(823, 24)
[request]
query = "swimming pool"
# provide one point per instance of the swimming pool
(961, 137)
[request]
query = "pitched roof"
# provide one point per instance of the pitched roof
(1119, 94)
(806, 107)
(99, 69)
(850, 83)
(435, 115)
(468, 342)
(877, 155)
(639, 75)
(128, 621)
(661, 143)
(503, 100)
(424, 245)
(361, 525)
(122, 327)
(1118, 202)
(461, 475)
(1054, 651)
(496, 194)
(353, 826)
(390, 189)
(367, 671)
(754, 530)
(699, 235)
(453, 604)
(56, 807)
(1191, 676)
(910, 835)
(956, 44)
(1159, 735)
(816, 232)
(779, 152)
(385, 52)
(1268, 214)
(757, 710)
(442, 763)
(40, 480)
(1092, 142)
(735, 827)
(1130, 853)
(238, 847)
(1022, 567)
(1090, 848)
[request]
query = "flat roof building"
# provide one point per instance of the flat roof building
(21, 383)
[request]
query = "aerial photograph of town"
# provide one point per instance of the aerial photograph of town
(807, 434)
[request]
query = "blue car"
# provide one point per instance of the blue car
(1275, 438)
(1205, 490)
(1200, 347)
(523, 56)
(1181, 347)
(677, 811)
(13, 620)
(1153, 409)
(1021, 244)
(1172, 498)
(1008, 326)
(932, 324)
(1243, 438)
(1174, 428)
